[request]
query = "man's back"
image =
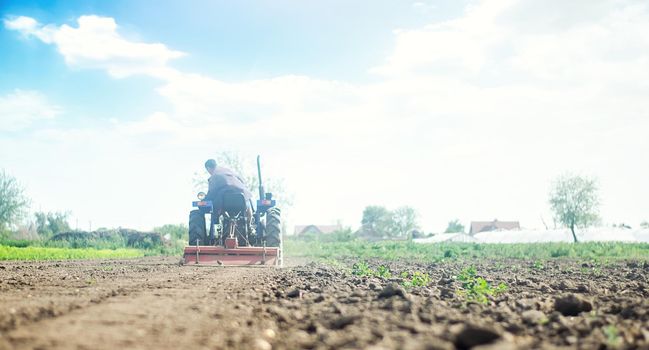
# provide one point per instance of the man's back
(224, 179)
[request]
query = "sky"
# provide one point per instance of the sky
(460, 109)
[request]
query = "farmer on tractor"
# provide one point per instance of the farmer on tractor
(224, 180)
(239, 234)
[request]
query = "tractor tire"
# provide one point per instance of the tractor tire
(197, 229)
(273, 227)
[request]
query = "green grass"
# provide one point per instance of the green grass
(395, 250)
(47, 253)
(83, 249)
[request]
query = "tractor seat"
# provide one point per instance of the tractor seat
(234, 203)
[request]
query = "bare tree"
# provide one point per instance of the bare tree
(574, 201)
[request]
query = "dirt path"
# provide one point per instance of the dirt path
(154, 303)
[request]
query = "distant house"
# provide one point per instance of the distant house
(316, 229)
(486, 226)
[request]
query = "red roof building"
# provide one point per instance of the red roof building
(486, 226)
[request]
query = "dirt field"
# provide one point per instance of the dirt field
(155, 303)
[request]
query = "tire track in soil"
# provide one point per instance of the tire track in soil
(34, 291)
(177, 307)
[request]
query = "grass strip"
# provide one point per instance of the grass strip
(432, 252)
(46, 253)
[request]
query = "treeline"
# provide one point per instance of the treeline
(19, 228)
(168, 239)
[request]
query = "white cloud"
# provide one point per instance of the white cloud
(468, 117)
(20, 109)
(27, 25)
(95, 43)
(520, 41)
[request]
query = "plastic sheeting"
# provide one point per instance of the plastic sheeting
(597, 234)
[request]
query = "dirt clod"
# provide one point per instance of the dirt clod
(391, 290)
(295, 293)
(261, 344)
(472, 336)
(532, 317)
(572, 305)
(343, 321)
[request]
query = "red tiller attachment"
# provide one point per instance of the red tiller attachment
(237, 256)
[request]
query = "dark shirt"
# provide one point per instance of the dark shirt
(224, 180)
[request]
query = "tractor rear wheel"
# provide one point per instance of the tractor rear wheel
(273, 227)
(197, 229)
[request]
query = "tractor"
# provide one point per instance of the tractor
(235, 235)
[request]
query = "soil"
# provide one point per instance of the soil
(155, 303)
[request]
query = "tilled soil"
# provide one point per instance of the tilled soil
(155, 303)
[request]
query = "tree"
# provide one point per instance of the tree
(404, 221)
(574, 201)
(49, 224)
(381, 222)
(454, 226)
(13, 201)
(246, 167)
(377, 221)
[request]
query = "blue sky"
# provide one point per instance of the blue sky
(240, 40)
(460, 109)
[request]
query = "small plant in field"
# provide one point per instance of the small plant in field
(613, 338)
(383, 272)
(362, 269)
(538, 265)
(415, 279)
(450, 253)
(475, 288)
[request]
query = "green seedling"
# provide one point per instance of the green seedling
(383, 272)
(475, 288)
(613, 338)
(416, 279)
(362, 269)
(538, 265)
